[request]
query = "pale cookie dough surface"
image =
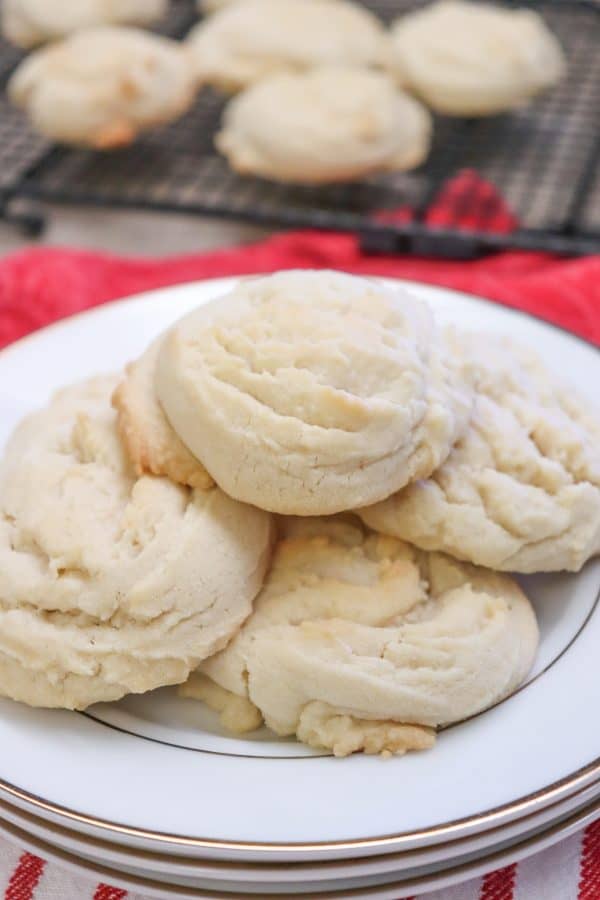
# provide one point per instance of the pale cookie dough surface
(110, 583)
(312, 392)
(237, 714)
(471, 59)
(246, 41)
(356, 637)
(320, 726)
(152, 445)
(330, 124)
(102, 86)
(521, 489)
(212, 6)
(31, 22)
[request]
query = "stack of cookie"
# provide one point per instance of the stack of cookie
(286, 510)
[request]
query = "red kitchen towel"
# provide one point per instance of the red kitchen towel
(42, 285)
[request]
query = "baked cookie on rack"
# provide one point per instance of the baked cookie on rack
(332, 123)
(31, 22)
(248, 40)
(474, 59)
(101, 87)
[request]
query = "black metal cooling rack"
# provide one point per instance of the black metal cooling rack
(543, 159)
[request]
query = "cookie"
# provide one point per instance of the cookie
(212, 6)
(102, 86)
(109, 583)
(312, 392)
(521, 489)
(31, 22)
(359, 641)
(474, 59)
(329, 124)
(246, 41)
(152, 445)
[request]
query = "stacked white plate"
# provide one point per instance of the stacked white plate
(150, 793)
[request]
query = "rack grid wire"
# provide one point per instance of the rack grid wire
(542, 159)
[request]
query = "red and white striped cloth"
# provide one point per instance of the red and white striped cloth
(568, 871)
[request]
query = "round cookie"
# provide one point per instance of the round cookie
(246, 41)
(329, 124)
(312, 392)
(111, 584)
(31, 22)
(152, 445)
(102, 86)
(521, 489)
(474, 59)
(359, 641)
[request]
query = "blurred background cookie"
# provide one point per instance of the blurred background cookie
(100, 87)
(325, 125)
(251, 39)
(474, 59)
(211, 6)
(31, 22)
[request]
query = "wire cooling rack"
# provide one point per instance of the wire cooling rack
(542, 159)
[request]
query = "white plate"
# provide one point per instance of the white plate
(153, 890)
(169, 779)
(297, 877)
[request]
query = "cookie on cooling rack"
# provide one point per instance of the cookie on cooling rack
(311, 392)
(109, 583)
(329, 124)
(102, 86)
(246, 41)
(520, 491)
(361, 642)
(31, 22)
(474, 59)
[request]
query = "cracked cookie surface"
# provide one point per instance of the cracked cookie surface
(111, 583)
(520, 491)
(313, 392)
(360, 641)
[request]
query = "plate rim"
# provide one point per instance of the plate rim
(539, 799)
(469, 870)
(590, 794)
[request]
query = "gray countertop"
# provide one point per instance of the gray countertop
(130, 233)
